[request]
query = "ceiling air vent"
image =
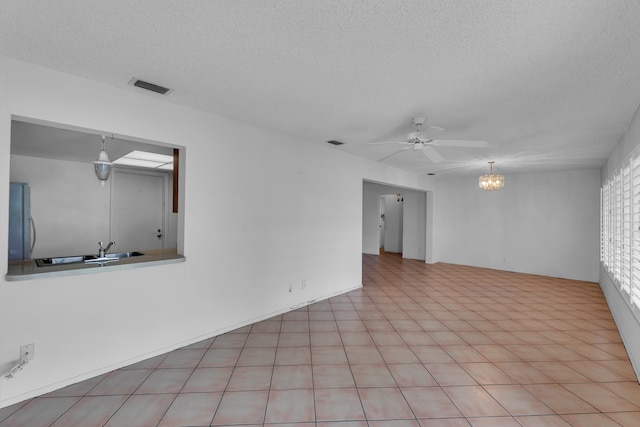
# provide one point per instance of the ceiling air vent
(149, 86)
(334, 142)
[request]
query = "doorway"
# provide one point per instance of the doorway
(391, 218)
(413, 236)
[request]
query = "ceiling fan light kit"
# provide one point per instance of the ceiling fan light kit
(491, 182)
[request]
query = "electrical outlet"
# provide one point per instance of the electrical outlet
(26, 349)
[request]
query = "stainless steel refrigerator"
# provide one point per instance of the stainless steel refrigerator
(22, 232)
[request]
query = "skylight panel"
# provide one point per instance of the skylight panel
(145, 159)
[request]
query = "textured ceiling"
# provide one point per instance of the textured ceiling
(550, 84)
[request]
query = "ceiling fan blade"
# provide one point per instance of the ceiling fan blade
(460, 143)
(393, 154)
(432, 154)
(436, 128)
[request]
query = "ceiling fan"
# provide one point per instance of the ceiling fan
(418, 141)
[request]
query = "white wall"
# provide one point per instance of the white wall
(626, 321)
(370, 215)
(260, 209)
(539, 223)
(414, 223)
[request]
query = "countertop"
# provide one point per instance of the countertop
(27, 270)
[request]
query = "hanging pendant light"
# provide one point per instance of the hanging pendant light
(491, 182)
(102, 166)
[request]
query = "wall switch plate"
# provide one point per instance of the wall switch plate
(27, 348)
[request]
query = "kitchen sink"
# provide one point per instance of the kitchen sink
(124, 255)
(43, 262)
(46, 262)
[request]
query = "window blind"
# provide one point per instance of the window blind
(635, 233)
(625, 216)
(617, 224)
(620, 229)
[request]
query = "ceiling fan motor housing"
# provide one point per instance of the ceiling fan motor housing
(419, 121)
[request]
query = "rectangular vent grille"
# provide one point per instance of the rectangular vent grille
(334, 142)
(149, 86)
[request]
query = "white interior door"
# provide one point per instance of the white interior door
(381, 223)
(137, 211)
(393, 224)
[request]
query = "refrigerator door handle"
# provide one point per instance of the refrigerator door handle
(33, 227)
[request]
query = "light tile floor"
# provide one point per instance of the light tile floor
(420, 345)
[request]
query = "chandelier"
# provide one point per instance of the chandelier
(493, 181)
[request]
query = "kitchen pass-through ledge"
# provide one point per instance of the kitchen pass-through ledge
(28, 270)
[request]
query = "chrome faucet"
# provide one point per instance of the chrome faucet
(103, 251)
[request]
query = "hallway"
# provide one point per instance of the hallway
(419, 345)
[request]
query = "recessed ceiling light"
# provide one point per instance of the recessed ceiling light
(145, 159)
